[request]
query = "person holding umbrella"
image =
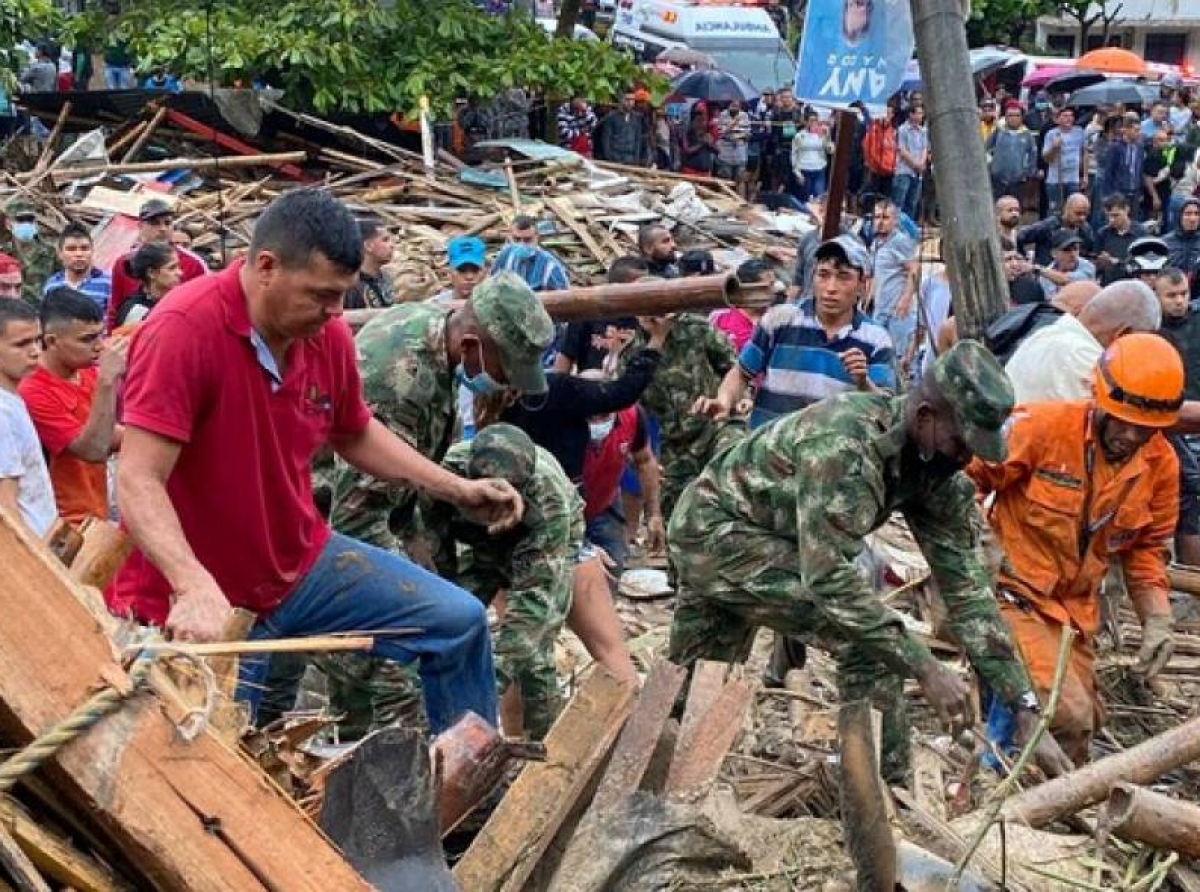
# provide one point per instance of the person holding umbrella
(697, 146)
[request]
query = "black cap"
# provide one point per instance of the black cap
(1065, 238)
(155, 207)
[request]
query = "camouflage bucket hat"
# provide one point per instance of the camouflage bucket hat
(504, 451)
(514, 318)
(975, 386)
(19, 207)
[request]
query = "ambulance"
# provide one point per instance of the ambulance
(741, 38)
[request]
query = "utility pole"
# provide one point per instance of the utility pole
(970, 247)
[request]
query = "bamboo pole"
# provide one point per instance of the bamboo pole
(48, 148)
(646, 298)
(144, 136)
(1140, 764)
(315, 644)
(198, 164)
(1141, 815)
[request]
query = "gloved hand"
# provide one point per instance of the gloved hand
(1157, 644)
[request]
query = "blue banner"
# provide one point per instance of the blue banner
(854, 50)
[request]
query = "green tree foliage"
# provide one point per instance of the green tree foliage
(361, 55)
(22, 20)
(1009, 22)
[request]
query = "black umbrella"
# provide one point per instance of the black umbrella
(1109, 93)
(1073, 80)
(714, 86)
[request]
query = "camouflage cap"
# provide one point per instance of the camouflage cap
(504, 451)
(974, 384)
(515, 320)
(19, 207)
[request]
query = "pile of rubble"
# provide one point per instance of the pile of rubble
(218, 182)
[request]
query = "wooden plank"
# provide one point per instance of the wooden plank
(510, 844)
(698, 758)
(104, 549)
(155, 795)
(707, 680)
(929, 781)
(52, 855)
(636, 745)
(18, 865)
(565, 211)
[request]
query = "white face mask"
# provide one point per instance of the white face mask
(598, 431)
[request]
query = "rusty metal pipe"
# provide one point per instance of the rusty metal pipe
(654, 297)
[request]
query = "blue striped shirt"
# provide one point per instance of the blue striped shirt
(540, 269)
(800, 364)
(97, 286)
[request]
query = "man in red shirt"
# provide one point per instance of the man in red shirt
(155, 222)
(72, 398)
(235, 383)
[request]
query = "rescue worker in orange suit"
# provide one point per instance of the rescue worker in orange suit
(1084, 483)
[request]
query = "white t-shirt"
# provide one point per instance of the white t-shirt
(1055, 363)
(21, 458)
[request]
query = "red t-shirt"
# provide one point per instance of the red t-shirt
(604, 463)
(242, 486)
(124, 285)
(60, 409)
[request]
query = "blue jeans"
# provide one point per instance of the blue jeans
(1057, 194)
(815, 183)
(354, 586)
(906, 193)
(607, 531)
(119, 77)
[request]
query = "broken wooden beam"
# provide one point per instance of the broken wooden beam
(18, 866)
(196, 815)
(513, 840)
(635, 747)
(703, 746)
(1142, 815)
(104, 550)
(51, 855)
(1140, 764)
(232, 143)
(206, 165)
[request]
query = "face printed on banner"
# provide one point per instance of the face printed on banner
(854, 51)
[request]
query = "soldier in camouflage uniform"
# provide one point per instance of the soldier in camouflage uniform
(533, 563)
(19, 238)
(695, 358)
(412, 357)
(769, 533)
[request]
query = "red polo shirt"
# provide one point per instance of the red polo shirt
(242, 486)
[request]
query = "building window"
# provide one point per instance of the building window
(1060, 44)
(1166, 47)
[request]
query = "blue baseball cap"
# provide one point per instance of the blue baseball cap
(466, 251)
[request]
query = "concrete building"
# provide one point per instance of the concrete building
(1166, 31)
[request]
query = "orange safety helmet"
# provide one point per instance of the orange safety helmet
(1139, 379)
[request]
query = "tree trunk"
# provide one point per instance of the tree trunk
(568, 15)
(969, 243)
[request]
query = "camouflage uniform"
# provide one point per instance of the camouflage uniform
(411, 389)
(533, 563)
(695, 357)
(770, 531)
(38, 259)
(409, 385)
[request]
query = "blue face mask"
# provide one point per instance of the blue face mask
(598, 431)
(25, 231)
(482, 384)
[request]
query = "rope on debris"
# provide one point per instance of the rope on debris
(102, 704)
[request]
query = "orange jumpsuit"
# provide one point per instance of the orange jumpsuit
(1061, 512)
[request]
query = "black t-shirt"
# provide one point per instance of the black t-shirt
(580, 344)
(1116, 244)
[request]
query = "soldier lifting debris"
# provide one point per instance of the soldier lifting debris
(769, 533)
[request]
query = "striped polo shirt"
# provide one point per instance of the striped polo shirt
(799, 364)
(97, 286)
